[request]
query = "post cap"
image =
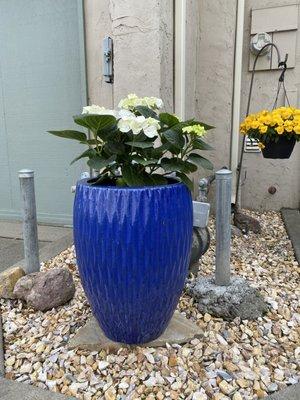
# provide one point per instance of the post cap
(223, 173)
(26, 173)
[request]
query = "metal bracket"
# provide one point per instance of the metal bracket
(108, 59)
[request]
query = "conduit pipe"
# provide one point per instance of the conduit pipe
(237, 86)
(180, 62)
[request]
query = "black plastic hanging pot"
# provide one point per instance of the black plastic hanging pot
(281, 149)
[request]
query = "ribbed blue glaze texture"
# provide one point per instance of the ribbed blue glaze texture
(133, 247)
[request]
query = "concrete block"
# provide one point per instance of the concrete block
(235, 300)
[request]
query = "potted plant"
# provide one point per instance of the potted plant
(276, 131)
(133, 222)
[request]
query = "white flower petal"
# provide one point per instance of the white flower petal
(150, 131)
(94, 109)
(124, 126)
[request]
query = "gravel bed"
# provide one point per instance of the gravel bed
(232, 360)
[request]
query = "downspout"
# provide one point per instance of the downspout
(237, 85)
(179, 62)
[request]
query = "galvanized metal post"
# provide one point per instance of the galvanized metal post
(223, 227)
(30, 234)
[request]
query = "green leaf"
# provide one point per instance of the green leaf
(141, 137)
(114, 147)
(200, 161)
(70, 134)
(98, 179)
(91, 142)
(109, 133)
(185, 180)
(173, 164)
(156, 179)
(142, 161)
(131, 176)
(201, 145)
(189, 167)
(142, 145)
(168, 119)
(146, 112)
(193, 122)
(98, 162)
(95, 122)
(87, 153)
(174, 137)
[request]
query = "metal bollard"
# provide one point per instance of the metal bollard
(30, 234)
(223, 227)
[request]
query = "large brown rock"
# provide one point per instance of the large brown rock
(46, 290)
(8, 280)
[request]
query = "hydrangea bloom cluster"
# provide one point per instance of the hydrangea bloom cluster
(136, 145)
(198, 130)
(132, 101)
(128, 121)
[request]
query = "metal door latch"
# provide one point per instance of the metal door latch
(108, 59)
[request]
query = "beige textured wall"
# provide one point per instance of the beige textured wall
(97, 25)
(210, 65)
(142, 31)
(259, 173)
(209, 73)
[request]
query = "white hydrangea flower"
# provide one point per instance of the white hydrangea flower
(130, 122)
(125, 121)
(132, 101)
(152, 102)
(151, 127)
(94, 109)
(137, 124)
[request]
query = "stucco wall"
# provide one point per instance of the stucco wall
(209, 72)
(97, 26)
(259, 173)
(143, 63)
(142, 31)
(209, 75)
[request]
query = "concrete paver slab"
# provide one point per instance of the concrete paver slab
(11, 243)
(291, 219)
(11, 390)
(47, 233)
(50, 250)
(12, 251)
(91, 337)
(290, 393)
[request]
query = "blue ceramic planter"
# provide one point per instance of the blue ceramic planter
(133, 247)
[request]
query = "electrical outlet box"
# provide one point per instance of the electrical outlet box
(281, 23)
(200, 214)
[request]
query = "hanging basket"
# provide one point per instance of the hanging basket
(281, 149)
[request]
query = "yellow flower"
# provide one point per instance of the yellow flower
(243, 129)
(263, 129)
(254, 125)
(297, 129)
(288, 126)
(261, 145)
(265, 119)
(282, 119)
(279, 130)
